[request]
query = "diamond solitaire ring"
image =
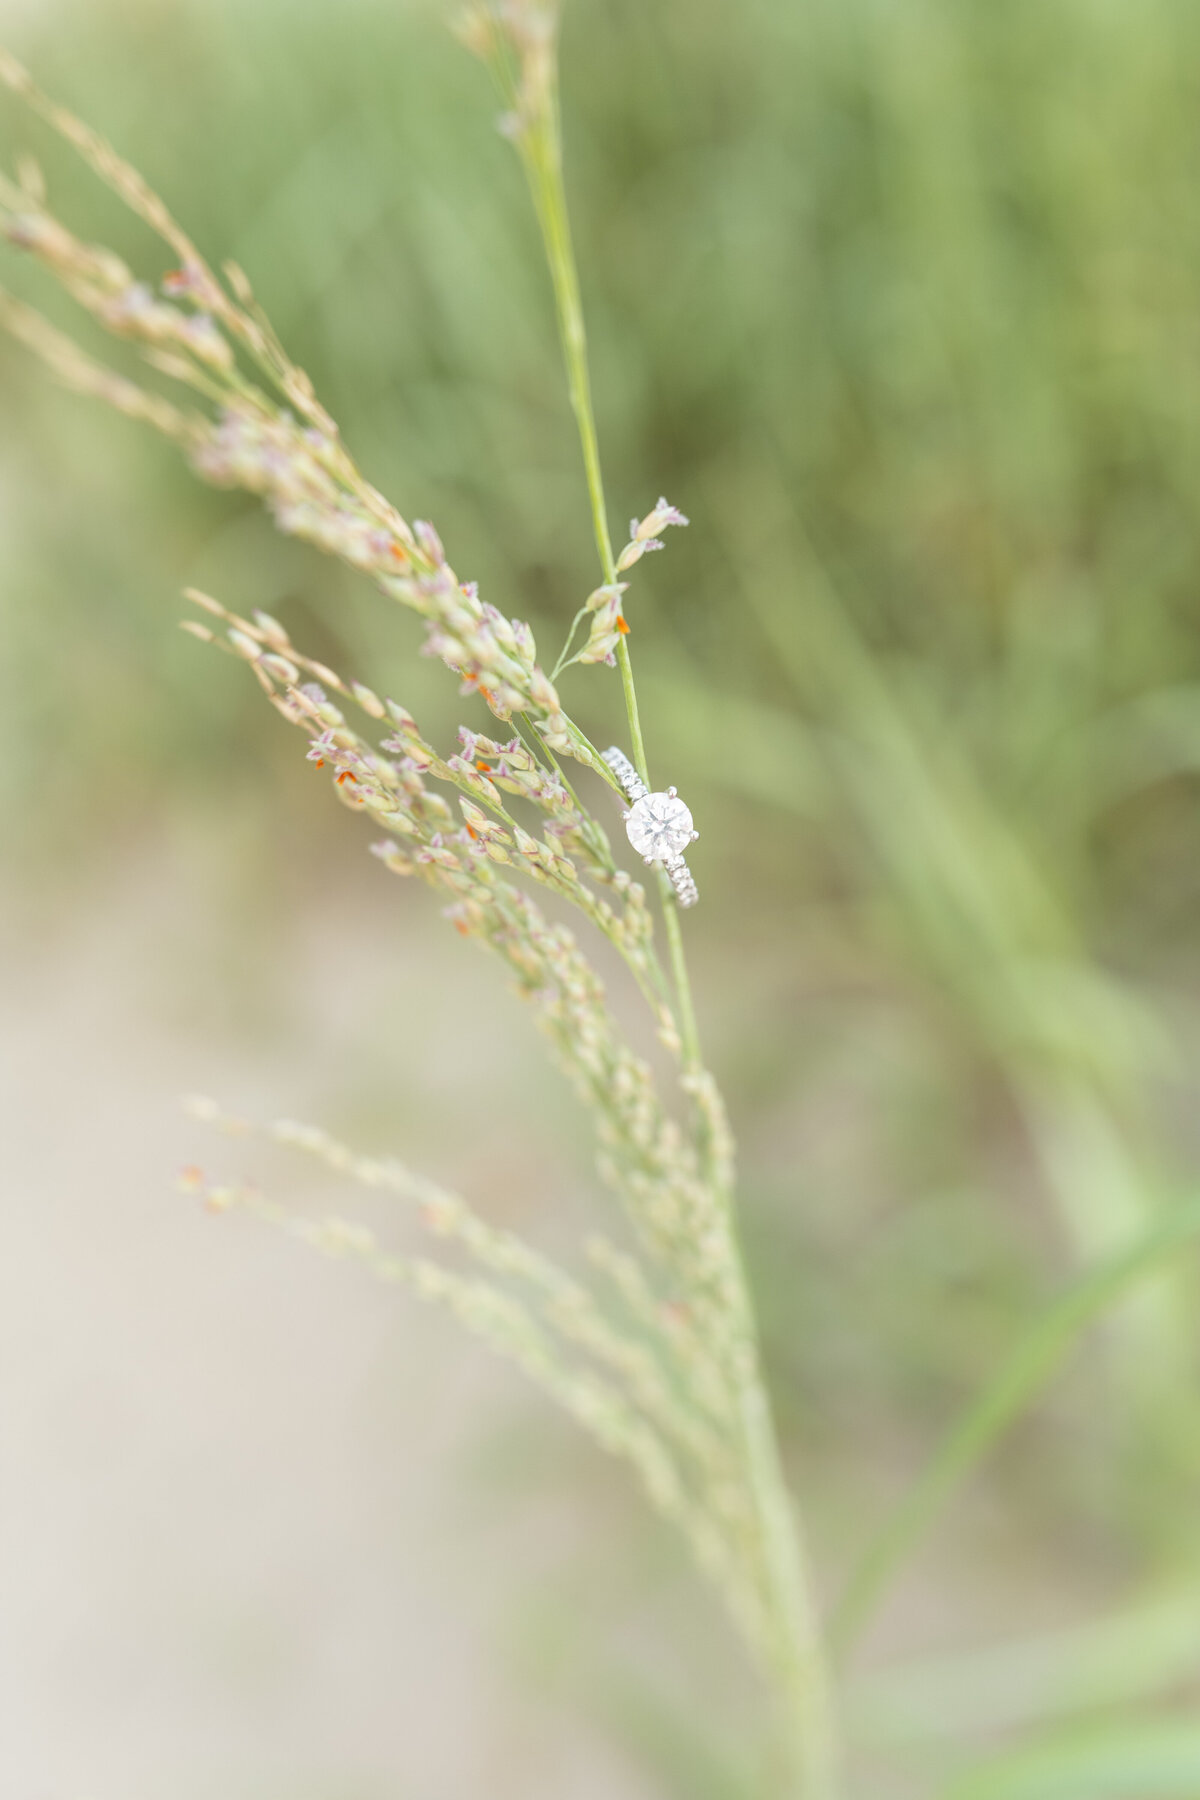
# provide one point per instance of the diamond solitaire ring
(657, 825)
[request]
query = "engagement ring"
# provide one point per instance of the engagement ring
(657, 825)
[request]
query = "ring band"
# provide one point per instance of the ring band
(656, 825)
(635, 788)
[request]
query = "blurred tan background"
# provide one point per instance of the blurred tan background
(900, 305)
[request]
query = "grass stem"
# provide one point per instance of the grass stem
(797, 1654)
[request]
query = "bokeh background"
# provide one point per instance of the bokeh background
(901, 303)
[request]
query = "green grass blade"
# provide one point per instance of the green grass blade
(1139, 1760)
(1017, 1382)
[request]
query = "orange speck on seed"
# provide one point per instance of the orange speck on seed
(346, 775)
(486, 768)
(623, 625)
(471, 832)
(320, 762)
(487, 694)
(462, 929)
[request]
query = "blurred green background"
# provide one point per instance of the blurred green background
(899, 302)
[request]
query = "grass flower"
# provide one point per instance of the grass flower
(655, 1351)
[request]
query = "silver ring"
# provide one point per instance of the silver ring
(657, 825)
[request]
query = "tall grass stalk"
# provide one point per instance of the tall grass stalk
(800, 1661)
(666, 1372)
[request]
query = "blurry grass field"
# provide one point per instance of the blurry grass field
(902, 305)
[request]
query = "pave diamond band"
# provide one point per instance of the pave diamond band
(635, 788)
(657, 825)
(682, 880)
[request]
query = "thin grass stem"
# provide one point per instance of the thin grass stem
(797, 1654)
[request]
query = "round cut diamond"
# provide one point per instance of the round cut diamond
(659, 826)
